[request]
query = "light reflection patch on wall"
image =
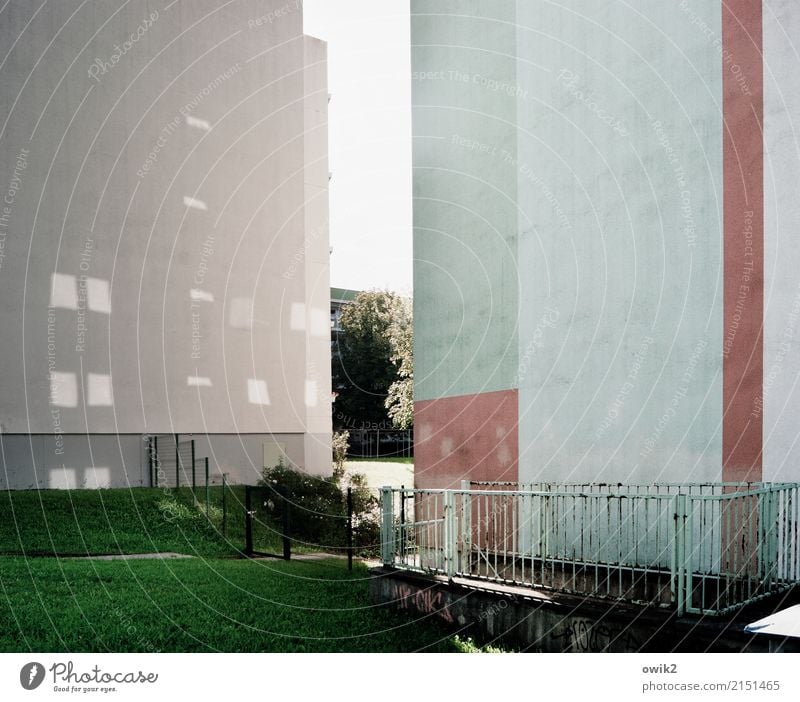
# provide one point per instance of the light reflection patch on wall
(64, 291)
(297, 317)
(96, 477)
(194, 203)
(98, 295)
(311, 393)
(99, 390)
(62, 479)
(63, 389)
(320, 322)
(241, 313)
(197, 381)
(257, 392)
(200, 295)
(198, 123)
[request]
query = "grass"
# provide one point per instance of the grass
(138, 520)
(51, 601)
(60, 605)
(94, 522)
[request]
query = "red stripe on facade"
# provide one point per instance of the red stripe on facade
(469, 437)
(743, 239)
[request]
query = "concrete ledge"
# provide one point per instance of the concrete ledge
(549, 622)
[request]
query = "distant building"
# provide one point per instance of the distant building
(605, 214)
(339, 298)
(165, 259)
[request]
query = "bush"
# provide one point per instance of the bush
(340, 443)
(318, 508)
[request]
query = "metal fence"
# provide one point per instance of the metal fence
(275, 520)
(381, 443)
(701, 548)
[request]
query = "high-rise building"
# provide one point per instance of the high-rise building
(605, 240)
(164, 259)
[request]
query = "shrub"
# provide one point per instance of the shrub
(340, 445)
(318, 508)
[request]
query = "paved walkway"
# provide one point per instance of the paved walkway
(133, 556)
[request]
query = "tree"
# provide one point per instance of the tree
(368, 360)
(400, 399)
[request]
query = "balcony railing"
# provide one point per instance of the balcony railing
(700, 548)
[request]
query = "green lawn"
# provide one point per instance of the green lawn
(55, 605)
(215, 601)
(139, 520)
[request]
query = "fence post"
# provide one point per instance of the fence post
(194, 479)
(248, 522)
(688, 552)
(387, 527)
(208, 494)
(156, 462)
(150, 458)
(678, 555)
(761, 531)
(449, 533)
(224, 508)
(402, 544)
(771, 524)
(544, 528)
(177, 461)
(349, 528)
(287, 544)
(466, 509)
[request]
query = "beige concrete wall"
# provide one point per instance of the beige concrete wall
(157, 275)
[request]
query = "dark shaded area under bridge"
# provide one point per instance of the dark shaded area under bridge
(539, 620)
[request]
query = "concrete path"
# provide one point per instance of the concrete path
(133, 556)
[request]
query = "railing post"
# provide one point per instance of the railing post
(792, 571)
(449, 533)
(466, 510)
(678, 555)
(760, 531)
(776, 531)
(770, 533)
(401, 548)
(387, 527)
(544, 528)
(688, 551)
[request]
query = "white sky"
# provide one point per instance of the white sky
(370, 139)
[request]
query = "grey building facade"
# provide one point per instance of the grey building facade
(164, 258)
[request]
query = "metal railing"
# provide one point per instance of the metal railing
(701, 548)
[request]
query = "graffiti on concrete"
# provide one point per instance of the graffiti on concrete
(587, 635)
(427, 601)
